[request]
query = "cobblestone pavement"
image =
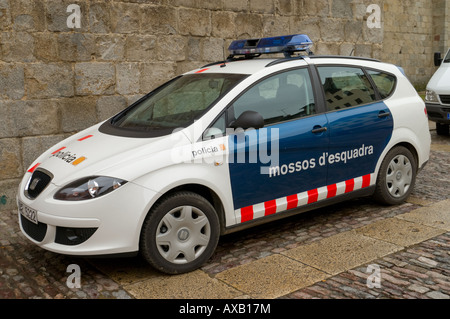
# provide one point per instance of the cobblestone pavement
(421, 271)
(279, 260)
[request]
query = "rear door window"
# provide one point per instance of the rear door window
(345, 87)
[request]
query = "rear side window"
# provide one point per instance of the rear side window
(345, 87)
(385, 82)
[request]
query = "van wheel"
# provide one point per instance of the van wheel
(180, 233)
(397, 177)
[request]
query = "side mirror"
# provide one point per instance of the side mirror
(248, 119)
(437, 59)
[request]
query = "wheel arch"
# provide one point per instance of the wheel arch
(397, 192)
(413, 151)
(418, 143)
(408, 145)
(210, 195)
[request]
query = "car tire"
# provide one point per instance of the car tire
(442, 129)
(180, 233)
(397, 177)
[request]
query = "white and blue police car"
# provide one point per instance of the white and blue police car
(230, 145)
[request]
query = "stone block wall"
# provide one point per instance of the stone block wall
(56, 80)
(420, 29)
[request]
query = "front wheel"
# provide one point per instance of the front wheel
(180, 233)
(397, 177)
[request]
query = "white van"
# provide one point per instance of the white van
(438, 94)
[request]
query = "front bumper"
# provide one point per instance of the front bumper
(106, 225)
(438, 113)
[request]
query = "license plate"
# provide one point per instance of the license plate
(28, 213)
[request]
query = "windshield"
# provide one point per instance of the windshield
(178, 103)
(447, 58)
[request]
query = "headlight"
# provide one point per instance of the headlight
(88, 188)
(431, 96)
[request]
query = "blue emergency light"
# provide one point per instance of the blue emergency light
(287, 44)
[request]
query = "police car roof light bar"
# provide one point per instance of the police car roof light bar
(287, 44)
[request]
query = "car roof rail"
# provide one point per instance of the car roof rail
(343, 57)
(320, 57)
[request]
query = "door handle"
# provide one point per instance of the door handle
(383, 114)
(319, 129)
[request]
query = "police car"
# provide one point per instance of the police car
(228, 146)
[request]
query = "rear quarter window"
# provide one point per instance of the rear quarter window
(384, 82)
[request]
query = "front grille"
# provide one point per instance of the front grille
(445, 99)
(37, 183)
(37, 232)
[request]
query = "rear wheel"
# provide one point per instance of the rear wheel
(180, 233)
(397, 177)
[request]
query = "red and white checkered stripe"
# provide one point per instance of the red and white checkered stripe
(279, 205)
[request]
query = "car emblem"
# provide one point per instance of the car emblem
(183, 234)
(34, 183)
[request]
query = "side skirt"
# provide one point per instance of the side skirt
(368, 191)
